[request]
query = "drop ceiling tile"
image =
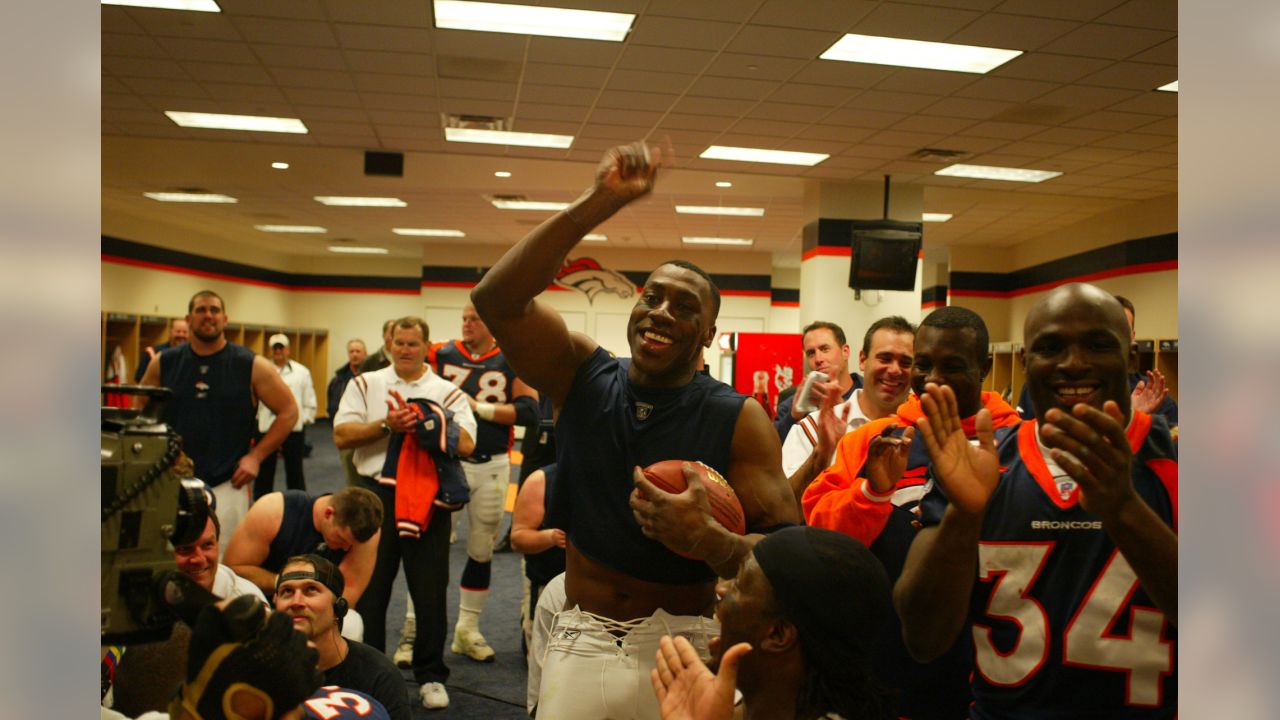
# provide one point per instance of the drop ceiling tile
(610, 116)
(300, 9)
(915, 22)
(701, 123)
(645, 81)
(131, 46)
(123, 99)
(660, 59)
(804, 114)
(229, 73)
(1166, 53)
(1035, 149)
(1085, 97)
(1013, 32)
(154, 87)
(561, 113)
(1107, 120)
(690, 105)
(1094, 154)
(139, 116)
(1153, 14)
(317, 96)
(288, 56)
(857, 117)
(967, 108)
(296, 33)
(1152, 159)
(547, 74)
(767, 127)
(1067, 9)
(381, 12)
(618, 133)
(930, 124)
(839, 134)
(1006, 89)
(245, 93)
(815, 95)
(1131, 75)
(755, 67)
(781, 42)
(971, 144)
(842, 74)
(165, 23)
(333, 114)
(407, 84)
(1133, 141)
(375, 37)
(1107, 41)
(117, 19)
(722, 11)
(882, 152)
(1005, 130)
(732, 88)
(563, 51)
(155, 131)
(391, 63)
(1168, 126)
(1050, 67)
(469, 106)
(912, 140)
(208, 50)
(824, 15)
(318, 79)
(144, 68)
(1151, 103)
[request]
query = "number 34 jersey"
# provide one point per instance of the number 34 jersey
(487, 378)
(1061, 626)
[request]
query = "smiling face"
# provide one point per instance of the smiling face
(887, 369)
(199, 560)
(950, 356)
(746, 612)
(669, 327)
(1077, 350)
(206, 318)
(180, 332)
(824, 352)
(307, 601)
(475, 334)
(280, 354)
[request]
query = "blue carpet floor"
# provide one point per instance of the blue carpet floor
(476, 690)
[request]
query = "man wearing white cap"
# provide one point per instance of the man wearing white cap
(298, 379)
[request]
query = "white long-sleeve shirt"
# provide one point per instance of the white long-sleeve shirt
(803, 436)
(298, 378)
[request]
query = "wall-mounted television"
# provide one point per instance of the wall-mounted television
(884, 254)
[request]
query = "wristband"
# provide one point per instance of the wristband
(485, 411)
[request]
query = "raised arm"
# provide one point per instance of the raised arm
(532, 335)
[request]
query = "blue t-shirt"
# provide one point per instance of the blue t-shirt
(607, 427)
(212, 407)
(1061, 626)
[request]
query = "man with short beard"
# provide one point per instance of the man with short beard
(827, 352)
(309, 590)
(216, 388)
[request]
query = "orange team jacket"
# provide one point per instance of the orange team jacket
(841, 500)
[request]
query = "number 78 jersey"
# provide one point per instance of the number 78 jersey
(1061, 626)
(488, 379)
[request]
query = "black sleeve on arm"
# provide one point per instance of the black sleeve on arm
(526, 410)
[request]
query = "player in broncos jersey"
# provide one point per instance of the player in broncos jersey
(1069, 523)
(475, 364)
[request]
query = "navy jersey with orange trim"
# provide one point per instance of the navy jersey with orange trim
(1061, 626)
(487, 378)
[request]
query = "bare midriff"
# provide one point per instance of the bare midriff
(601, 590)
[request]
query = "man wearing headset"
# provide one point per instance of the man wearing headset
(309, 590)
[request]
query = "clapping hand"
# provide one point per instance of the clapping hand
(1090, 444)
(967, 474)
(687, 689)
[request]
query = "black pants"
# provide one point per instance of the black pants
(293, 450)
(426, 569)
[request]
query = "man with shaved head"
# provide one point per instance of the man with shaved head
(1070, 522)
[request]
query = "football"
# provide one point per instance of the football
(725, 507)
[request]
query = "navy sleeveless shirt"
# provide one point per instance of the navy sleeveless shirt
(297, 534)
(607, 427)
(212, 406)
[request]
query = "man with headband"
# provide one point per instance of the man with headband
(309, 590)
(803, 625)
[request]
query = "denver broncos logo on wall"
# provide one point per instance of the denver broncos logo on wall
(587, 276)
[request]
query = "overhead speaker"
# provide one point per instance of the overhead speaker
(388, 164)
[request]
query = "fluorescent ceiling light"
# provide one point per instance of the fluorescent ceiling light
(502, 204)
(529, 20)
(342, 201)
(595, 237)
(780, 157)
(291, 228)
(428, 232)
(218, 121)
(716, 241)
(190, 197)
(918, 54)
(193, 5)
(357, 250)
(718, 210)
(504, 137)
(724, 183)
(989, 172)
(935, 217)
(502, 174)
(1171, 87)
(280, 165)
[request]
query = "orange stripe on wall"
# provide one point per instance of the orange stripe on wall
(246, 281)
(1137, 269)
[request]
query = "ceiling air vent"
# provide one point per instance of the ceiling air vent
(475, 122)
(937, 155)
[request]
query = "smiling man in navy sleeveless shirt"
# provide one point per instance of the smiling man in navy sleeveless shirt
(625, 586)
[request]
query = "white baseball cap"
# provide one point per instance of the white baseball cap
(278, 339)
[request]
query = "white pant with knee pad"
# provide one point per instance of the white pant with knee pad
(589, 672)
(232, 504)
(488, 482)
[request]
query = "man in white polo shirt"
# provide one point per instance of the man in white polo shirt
(885, 363)
(376, 405)
(298, 378)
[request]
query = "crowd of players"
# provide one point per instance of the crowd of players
(915, 547)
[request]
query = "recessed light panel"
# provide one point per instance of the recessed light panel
(190, 197)
(595, 237)
(918, 54)
(779, 157)
(502, 174)
(530, 20)
(357, 250)
(935, 217)
(280, 165)
(502, 204)
(991, 172)
(503, 137)
(724, 184)
(255, 123)
(193, 5)
(291, 228)
(428, 232)
(1171, 87)
(342, 201)
(716, 241)
(719, 210)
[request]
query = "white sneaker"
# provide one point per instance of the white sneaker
(433, 696)
(472, 644)
(404, 654)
